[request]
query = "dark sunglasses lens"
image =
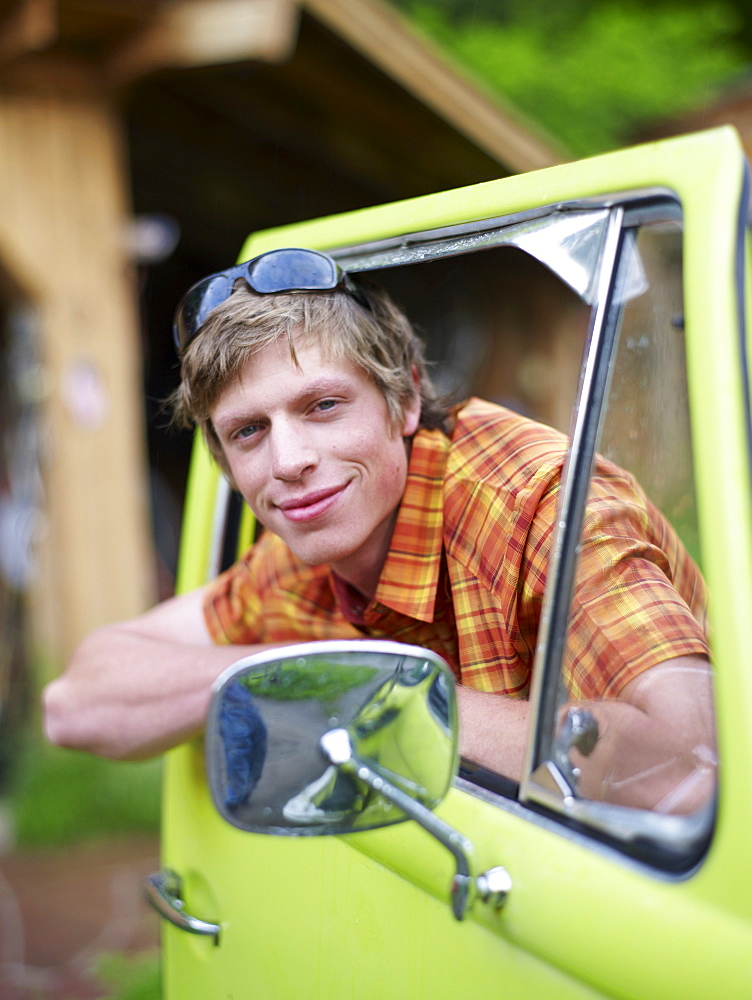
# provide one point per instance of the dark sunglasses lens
(198, 303)
(292, 270)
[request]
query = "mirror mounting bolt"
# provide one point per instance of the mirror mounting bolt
(494, 886)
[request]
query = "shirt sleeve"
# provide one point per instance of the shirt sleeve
(639, 599)
(232, 604)
(269, 595)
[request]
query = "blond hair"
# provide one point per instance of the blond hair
(379, 339)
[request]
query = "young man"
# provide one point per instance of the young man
(388, 516)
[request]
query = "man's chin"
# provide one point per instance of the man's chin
(313, 554)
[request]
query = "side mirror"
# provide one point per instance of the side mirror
(284, 725)
(335, 737)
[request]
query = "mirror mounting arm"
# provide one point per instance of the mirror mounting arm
(337, 748)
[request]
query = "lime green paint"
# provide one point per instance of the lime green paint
(198, 513)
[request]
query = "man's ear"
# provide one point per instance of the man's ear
(411, 412)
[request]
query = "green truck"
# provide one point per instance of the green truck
(610, 297)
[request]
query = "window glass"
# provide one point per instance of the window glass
(497, 324)
(632, 746)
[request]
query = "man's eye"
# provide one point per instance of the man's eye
(248, 431)
(326, 404)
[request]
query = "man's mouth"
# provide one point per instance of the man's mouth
(310, 505)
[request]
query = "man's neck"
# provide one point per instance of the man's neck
(351, 602)
(362, 570)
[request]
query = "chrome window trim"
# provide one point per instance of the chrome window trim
(574, 489)
(361, 256)
(582, 836)
(741, 263)
(219, 527)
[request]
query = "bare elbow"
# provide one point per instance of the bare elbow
(72, 722)
(76, 706)
(60, 719)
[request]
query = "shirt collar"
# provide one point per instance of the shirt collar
(409, 579)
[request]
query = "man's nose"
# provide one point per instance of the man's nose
(292, 451)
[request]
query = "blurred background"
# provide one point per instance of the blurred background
(140, 142)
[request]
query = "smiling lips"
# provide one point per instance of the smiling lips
(310, 506)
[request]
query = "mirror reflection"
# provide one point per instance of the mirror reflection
(267, 772)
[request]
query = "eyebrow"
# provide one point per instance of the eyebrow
(322, 386)
(317, 387)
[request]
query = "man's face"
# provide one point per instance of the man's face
(313, 452)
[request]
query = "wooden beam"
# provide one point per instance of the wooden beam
(29, 26)
(63, 208)
(387, 39)
(205, 32)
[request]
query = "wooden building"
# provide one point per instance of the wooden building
(221, 116)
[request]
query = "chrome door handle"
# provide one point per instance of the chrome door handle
(164, 890)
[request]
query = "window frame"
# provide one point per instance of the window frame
(664, 841)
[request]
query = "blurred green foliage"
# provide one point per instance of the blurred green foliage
(59, 797)
(592, 74)
(130, 977)
(315, 677)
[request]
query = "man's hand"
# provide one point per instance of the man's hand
(656, 742)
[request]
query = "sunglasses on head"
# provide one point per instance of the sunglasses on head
(289, 270)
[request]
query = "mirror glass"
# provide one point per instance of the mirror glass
(266, 770)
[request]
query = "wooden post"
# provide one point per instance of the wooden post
(62, 221)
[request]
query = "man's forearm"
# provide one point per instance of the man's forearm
(493, 730)
(129, 697)
(137, 688)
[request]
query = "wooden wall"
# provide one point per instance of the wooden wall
(239, 115)
(62, 247)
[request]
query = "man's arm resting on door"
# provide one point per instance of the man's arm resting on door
(136, 688)
(655, 747)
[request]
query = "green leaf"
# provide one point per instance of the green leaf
(595, 80)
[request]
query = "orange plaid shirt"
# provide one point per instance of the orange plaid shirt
(466, 568)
